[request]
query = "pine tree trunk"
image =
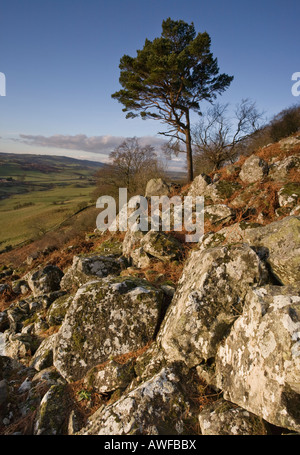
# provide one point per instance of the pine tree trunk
(189, 152)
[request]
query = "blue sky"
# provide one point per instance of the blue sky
(61, 58)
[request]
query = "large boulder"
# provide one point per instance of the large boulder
(199, 185)
(258, 365)
(280, 171)
(161, 246)
(279, 242)
(208, 299)
(218, 213)
(53, 412)
(110, 377)
(107, 318)
(223, 418)
(289, 195)
(88, 268)
(157, 406)
(43, 357)
(45, 280)
(157, 187)
(253, 170)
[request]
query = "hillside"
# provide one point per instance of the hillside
(144, 333)
(38, 192)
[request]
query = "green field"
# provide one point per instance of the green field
(38, 193)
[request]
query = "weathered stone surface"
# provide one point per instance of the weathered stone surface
(20, 287)
(58, 310)
(131, 241)
(140, 258)
(157, 187)
(43, 357)
(290, 142)
(132, 249)
(107, 318)
(280, 243)
(20, 346)
(224, 418)
(45, 280)
(289, 195)
(258, 365)
(199, 185)
(218, 213)
(157, 406)
(281, 169)
(88, 268)
(208, 299)
(161, 246)
(52, 412)
(111, 377)
(253, 170)
(235, 233)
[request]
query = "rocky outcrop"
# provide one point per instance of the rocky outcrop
(111, 377)
(157, 187)
(202, 312)
(253, 170)
(224, 418)
(88, 268)
(52, 412)
(106, 318)
(277, 244)
(258, 365)
(157, 406)
(45, 280)
(215, 351)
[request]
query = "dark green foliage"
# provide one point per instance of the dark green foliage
(285, 123)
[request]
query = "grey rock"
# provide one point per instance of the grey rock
(281, 169)
(88, 268)
(289, 195)
(218, 213)
(43, 357)
(253, 170)
(157, 187)
(110, 317)
(111, 377)
(258, 366)
(280, 242)
(157, 406)
(161, 246)
(58, 309)
(45, 280)
(52, 412)
(224, 418)
(199, 185)
(20, 287)
(209, 297)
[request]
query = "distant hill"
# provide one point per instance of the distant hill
(18, 163)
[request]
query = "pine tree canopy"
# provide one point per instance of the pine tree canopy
(170, 76)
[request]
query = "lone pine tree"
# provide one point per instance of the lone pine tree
(168, 78)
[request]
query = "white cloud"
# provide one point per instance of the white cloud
(95, 144)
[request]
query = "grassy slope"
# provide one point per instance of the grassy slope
(45, 191)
